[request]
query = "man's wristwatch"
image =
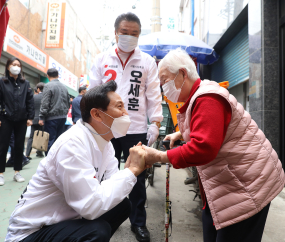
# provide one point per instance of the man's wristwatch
(157, 124)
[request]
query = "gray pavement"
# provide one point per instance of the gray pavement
(11, 191)
(187, 225)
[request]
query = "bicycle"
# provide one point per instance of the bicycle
(149, 175)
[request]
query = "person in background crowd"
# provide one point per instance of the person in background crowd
(78, 193)
(37, 103)
(16, 113)
(68, 122)
(54, 107)
(76, 113)
(35, 91)
(239, 171)
(10, 162)
(135, 72)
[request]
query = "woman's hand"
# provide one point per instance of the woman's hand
(173, 137)
(29, 122)
(152, 156)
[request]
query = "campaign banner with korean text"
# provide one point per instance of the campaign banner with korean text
(20, 47)
(64, 75)
(55, 24)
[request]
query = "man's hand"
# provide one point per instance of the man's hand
(41, 122)
(0, 123)
(128, 162)
(136, 162)
(29, 122)
(173, 137)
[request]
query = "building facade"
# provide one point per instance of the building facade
(32, 25)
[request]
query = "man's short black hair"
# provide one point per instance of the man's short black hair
(96, 97)
(82, 88)
(130, 17)
(40, 86)
(52, 72)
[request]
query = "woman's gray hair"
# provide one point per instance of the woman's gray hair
(179, 59)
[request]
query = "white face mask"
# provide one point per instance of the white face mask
(170, 90)
(15, 70)
(127, 43)
(119, 126)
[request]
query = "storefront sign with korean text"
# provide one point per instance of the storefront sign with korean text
(55, 24)
(64, 75)
(18, 46)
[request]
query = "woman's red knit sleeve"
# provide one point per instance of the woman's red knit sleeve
(211, 115)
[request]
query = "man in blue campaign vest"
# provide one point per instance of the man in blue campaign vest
(136, 75)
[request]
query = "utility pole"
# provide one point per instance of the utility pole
(155, 19)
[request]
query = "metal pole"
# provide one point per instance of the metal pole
(155, 19)
(167, 205)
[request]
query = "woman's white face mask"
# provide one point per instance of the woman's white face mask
(15, 70)
(170, 90)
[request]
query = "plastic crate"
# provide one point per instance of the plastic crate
(166, 124)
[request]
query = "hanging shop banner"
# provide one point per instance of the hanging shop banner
(64, 75)
(55, 24)
(20, 47)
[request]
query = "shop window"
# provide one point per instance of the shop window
(78, 48)
(26, 3)
(2, 70)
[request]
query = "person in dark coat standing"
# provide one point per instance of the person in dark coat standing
(37, 102)
(54, 107)
(75, 111)
(16, 113)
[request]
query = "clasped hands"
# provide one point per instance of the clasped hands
(142, 157)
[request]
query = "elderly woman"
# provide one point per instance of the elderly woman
(239, 172)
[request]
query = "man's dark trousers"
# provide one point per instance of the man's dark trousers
(138, 194)
(34, 127)
(55, 128)
(82, 230)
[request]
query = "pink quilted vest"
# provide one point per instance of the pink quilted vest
(246, 174)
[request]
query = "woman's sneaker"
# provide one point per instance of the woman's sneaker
(18, 177)
(2, 181)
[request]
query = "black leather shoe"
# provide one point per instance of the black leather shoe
(29, 157)
(25, 162)
(40, 155)
(142, 233)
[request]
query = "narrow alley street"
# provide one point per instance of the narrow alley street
(186, 213)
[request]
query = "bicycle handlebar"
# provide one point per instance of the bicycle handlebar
(166, 143)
